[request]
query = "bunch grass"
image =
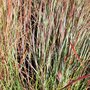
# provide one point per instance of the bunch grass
(54, 34)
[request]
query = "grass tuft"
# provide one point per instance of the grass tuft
(44, 44)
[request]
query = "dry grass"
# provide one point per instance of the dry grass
(44, 44)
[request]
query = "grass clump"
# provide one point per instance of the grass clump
(44, 44)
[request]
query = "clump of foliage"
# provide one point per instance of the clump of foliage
(44, 44)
